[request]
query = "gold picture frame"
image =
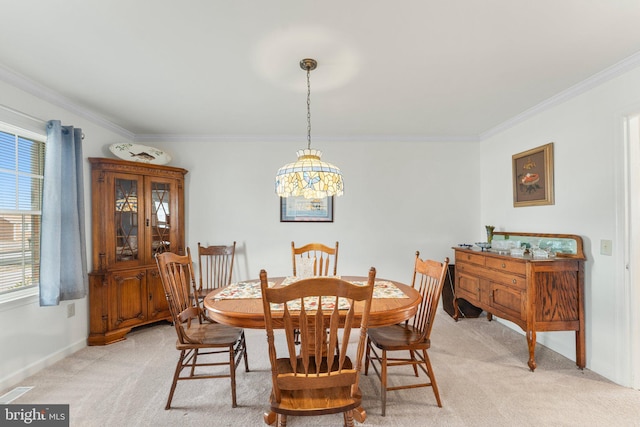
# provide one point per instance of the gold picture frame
(533, 177)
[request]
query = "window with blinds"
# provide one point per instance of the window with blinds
(21, 177)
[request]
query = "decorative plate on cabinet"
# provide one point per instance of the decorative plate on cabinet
(140, 153)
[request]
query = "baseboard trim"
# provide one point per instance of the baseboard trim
(24, 373)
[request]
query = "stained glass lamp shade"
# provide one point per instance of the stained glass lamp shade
(309, 177)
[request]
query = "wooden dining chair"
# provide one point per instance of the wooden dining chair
(215, 268)
(321, 379)
(412, 336)
(314, 258)
(203, 345)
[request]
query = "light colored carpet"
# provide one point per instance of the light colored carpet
(480, 367)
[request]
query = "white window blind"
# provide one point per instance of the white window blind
(21, 176)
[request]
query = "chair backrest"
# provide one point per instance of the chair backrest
(176, 273)
(215, 266)
(428, 279)
(322, 361)
(320, 256)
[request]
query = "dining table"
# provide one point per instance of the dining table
(240, 304)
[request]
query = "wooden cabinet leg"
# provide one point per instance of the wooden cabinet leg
(456, 310)
(581, 357)
(531, 341)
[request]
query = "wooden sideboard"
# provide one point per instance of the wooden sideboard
(537, 294)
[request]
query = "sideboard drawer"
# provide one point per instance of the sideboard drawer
(472, 258)
(511, 280)
(507, 265)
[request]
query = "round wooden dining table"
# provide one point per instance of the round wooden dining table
(248, 312)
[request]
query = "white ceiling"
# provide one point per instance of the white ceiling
(409, 69)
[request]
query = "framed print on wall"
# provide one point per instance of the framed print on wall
(299, 209)
(533, 177)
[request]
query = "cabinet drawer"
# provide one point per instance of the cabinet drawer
(472, 258)
(505, 278)
(507, 265)
(510, 280)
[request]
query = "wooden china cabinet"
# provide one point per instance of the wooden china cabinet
(137, 212)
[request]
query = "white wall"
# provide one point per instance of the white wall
(33, 337)
(399, 197)
(587, 136)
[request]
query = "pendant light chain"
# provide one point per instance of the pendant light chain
(308, 108)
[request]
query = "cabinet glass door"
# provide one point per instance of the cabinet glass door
(126, 219)
(161, 210)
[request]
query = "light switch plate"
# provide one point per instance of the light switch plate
(606, 247)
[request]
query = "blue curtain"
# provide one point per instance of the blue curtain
(63, 255)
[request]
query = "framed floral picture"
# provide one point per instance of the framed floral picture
(533, 177)
(299, 209)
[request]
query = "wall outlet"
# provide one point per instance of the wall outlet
(71, 310)
(606, 247)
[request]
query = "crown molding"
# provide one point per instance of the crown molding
(597, 79)
(21, 82)
(300, 139)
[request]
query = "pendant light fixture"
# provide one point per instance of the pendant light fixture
(309, 176)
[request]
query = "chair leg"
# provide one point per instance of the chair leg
(270, 418)
(415, 362)
(244, 349)
(175, 379)
(383, 382)
(232, 374)
(359, 414)
(432, 377)
(282, 420)
(367, 358)
(348, 418)
(194, 362)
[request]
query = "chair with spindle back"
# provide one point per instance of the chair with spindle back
(412, 336)
(320, 257)
(320, 379)
(203, 345)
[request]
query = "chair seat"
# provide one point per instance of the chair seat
(210, 334)
(325, 401)
(398, 337)
(321, 401)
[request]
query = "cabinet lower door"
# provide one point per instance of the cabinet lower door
(128, 299)
(158, 307)
(468, 287)
(506, 300)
